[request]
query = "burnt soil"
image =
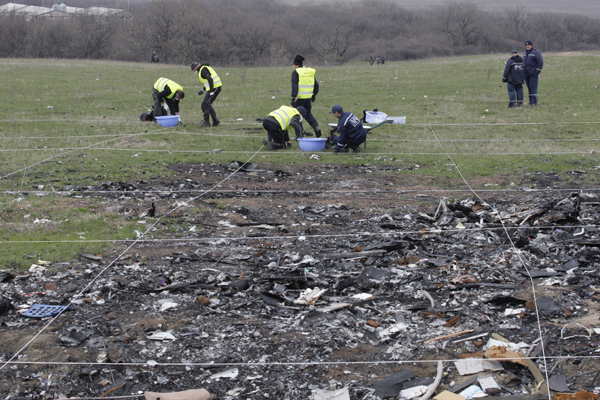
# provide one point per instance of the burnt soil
(222, 280)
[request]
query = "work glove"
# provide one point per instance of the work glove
(313, 98)
(539, 71)
(293, 101)
(212, 93)
(307, 133)
(180, 121)
(332, 131)
(200, 92)
(504, 80)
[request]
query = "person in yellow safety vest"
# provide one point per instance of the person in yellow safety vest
(212, 86)
(166, 91)
(278, 123)
(304, 91)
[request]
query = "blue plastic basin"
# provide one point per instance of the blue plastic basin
(168, 121)
(312, 144)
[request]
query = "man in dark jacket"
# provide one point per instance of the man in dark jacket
(279, 122)
(212, 87)
(533, 63)
(352, 133)
(305, 88)
(514, 76)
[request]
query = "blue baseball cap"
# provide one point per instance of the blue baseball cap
(336, 109)
(301, 110)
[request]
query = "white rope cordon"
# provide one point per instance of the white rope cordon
(307, 237)
(516, 251)
(113, 262)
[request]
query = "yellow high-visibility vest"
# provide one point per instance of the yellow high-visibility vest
(213, 75)
(284, 115)
(306, 82)
(162, 82)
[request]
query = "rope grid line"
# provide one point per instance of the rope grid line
(302, 363)
(71, 150)
(281, 363)
(295, 153)
(113, 262)
(307, 237)
(518, 253)
(292, 191)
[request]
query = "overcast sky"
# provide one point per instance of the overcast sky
(586, 7)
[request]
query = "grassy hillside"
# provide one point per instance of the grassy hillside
(89, 113)
(73, 124)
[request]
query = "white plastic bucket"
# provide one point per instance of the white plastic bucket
(375, 117)
(397, 120)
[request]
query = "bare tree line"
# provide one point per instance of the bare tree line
(269, 33)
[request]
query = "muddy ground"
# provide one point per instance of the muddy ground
(400, 267)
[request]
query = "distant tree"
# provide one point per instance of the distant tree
(94, 35)
(518, 23)
(459, 22)
(13, 31)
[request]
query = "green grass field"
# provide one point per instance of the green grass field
(67, 123)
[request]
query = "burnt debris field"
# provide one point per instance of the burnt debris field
(455, 257)
(271, 293)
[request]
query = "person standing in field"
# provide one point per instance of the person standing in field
(279, 122)
(166, 91)
(212, 87)
(533, 63)
(514, 76)
(304, 91)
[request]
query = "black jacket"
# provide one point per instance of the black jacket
(514, 72)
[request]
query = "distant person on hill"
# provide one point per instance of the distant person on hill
(352, 133)
(212, 86)
(153, 58)
(533, 62)
(371, 61)
(305, 88)
(378, 61)
(279, 122)
(166, 91)
(514, 76)
(382, 60)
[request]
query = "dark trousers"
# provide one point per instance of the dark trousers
(158, 110)
(515, 94)
(350, 142)
(275, 134)
(207, 108)
(307, 104)
(532, 87)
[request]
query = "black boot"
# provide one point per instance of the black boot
(205, 124)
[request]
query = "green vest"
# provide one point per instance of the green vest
(162, 82)
(213, 75)
(306, 82)
(284, 116)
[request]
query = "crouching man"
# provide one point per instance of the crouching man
(166, 91)
(350, 128)
(279, 122)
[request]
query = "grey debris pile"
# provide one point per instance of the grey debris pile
(329, 300)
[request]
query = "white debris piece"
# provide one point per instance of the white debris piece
(310, 296)
(229, 374)
(337, 394)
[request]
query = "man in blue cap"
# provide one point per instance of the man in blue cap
(350, 128)
(533, 63)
